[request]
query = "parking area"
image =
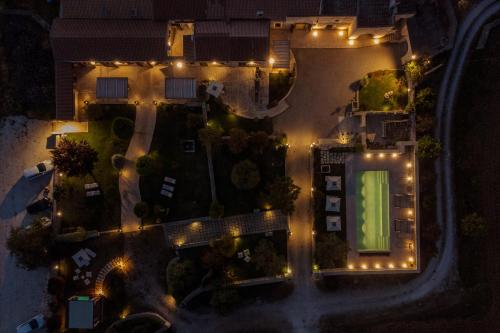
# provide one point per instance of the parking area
(22, 144)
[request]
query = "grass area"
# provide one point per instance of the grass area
(192, 190)
(271, 163)
(102, 212)
(375, 93)
(279, 85)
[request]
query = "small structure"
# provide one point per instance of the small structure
(333, 183)
(215, 88)
(333, 223)
(84, 312)
(332, 204)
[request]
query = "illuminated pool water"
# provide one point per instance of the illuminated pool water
(372, 211)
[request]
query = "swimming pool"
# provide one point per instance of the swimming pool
(372, 211)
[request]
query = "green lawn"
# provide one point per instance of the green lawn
(101, 212)
(192, 190)
(375, 85)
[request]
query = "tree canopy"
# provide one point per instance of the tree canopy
(30, 246)
(266, 259)
(238, 140)
(245, 175)
(428, 147)
(74, 158)
(283, 193)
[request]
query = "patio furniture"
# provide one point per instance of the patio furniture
(75, 277)
(246, 252)
(86, 281)
(81, 258)
(93, 193)
(247, 259)
(91, 186)
(166, 193)
(240, 255)
(90, 252)
(77, 271)
(88, 274)
(169, 180)
(167, 187)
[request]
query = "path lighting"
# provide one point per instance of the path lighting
(411, 259)
(364, 266)
(376, 40)
(92, 63)
(155, 102)
(136, 102)
(410, 212)
(152, 63)
(381, 155)
(118, 63)
(409, 178)
(214, 62)
(86, 102)
(61, 174)
(56, 267)
(404, 265)
(368, 155)
(394, 155)
(315, 33)
(391, 265)
(271, 61)
(179, 64)
(377, 266)
(341, 33)
(251, 63)
(313, 233)
(315, 267)
(312, 189)
(350, 42)
(120, 230)
(350, 266)
(408, 165)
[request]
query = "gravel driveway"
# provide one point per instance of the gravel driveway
(22, 144)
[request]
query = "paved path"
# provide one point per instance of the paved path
(22, 144)
(145, 120)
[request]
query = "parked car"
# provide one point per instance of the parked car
(39, 206)
(40, 169)
(31, 325)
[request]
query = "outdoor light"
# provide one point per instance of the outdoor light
(271, 61)
(350, 266)
(59, 213)
(409, 178)
(410, 212)
(85, 102)
(404, 265)
(341, 33)
(56, 267)
(179, 64)
(411, 259)
(413, 56)
(312, 189)
(120, 230)
(92, 63)
(376, 40)
(169, 43)
(408, 165)
(214, 62)
(364, 266)
(315, 33)
(394, 155)
(251, 63)
(381, 155)
(155, 102)
(377, 266)
(368, 155)
(136, 102)
(288, 270)
(391, 265)
(350, 42)
(60, 174)
(315, 267)
(313, 232)
(152, 63)
(117, 63)
(409, 89)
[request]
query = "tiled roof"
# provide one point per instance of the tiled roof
(180, 9)
(407, 6)
(231, 41)
(108, 40)
(374, 13)
(65, 107)
(107, 9)
(339, 7)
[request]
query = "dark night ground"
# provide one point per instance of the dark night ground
(477, 151)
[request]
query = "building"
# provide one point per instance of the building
(201, 32)
(84, 312)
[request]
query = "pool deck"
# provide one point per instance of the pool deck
(401, 250)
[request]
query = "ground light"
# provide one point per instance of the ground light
(408, 165)
(404, 265)
(364, 266)
(59, 213)
(350, 266)
(350, 42)
(179, 64)
(214, 62)
(377, 266)
(92, 63)
(394, 155)
(271, 61)
(413, 56)
(391, 265)
(341, 33)
(368, 155)
(381, 155)
(376, 40)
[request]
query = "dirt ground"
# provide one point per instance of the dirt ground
(22, 144)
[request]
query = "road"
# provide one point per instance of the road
(22, 144)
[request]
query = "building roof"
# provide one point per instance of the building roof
(108, 40)
(339, 7)
(406, 7)
(80, 313)
(374, 13)
(65, 100)
(231, 40)
(107, 9)
(165, 10)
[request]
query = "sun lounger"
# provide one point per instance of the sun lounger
(166, 193)
(167, 187)
(169, 180)
(91, 186)
(93, 193)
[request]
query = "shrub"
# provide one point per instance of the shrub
(118, 161)
(258, 142)
(122, 128)
(428, 147)
(266, 259)
(147, 164)
(238, 140)
(245, 175)
(425, 99)
(30, 246)
(473, 225)
(211, 134)
(141, 209)
(216, 210)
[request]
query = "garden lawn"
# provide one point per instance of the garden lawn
(192, 196)
(375, 85)
(102, 212)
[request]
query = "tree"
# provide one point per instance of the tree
(141, 209)
(181, 278)
(74, 158)
(424, 123)
(118, 161)
(148, 164)
(224, 246)
(425, 99)
(473, 225)
(428, 147)
(211, 134)
(224, 298)
(283, 193)
(415, 70)
(258, 141)
(266, 259)
(216, 210)
(30, 245)
(238, 140)
(122, 128)
(245, 175)
(330, 251)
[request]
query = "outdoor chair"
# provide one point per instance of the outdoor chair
(91, 186)
(167, 187)
(166, 193)
(169, 180)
